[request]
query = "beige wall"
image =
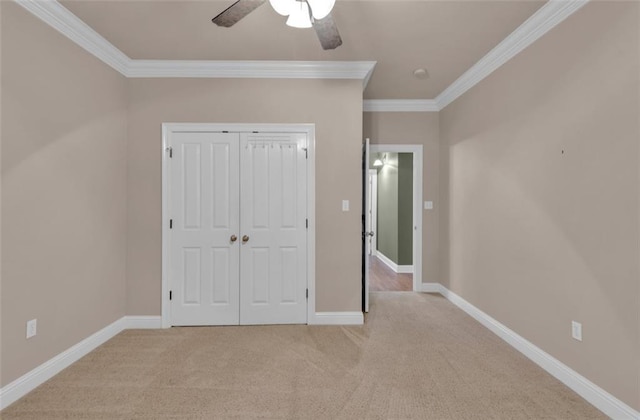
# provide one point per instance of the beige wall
(416, 128)
(533, 236)
(63, 192)
(542, 182)
(1, 383)
(336, 109)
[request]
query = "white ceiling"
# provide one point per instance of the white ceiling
(445, 37)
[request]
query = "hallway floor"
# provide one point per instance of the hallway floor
(384, 279)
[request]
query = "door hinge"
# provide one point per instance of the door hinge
(307, 293)
(170, 150)
(307, 223)
(170, 223)
(170, 294)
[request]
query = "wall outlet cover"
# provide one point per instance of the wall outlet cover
(32, 328)
(576, 330)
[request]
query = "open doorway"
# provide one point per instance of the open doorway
(393, 218)
(390, 208)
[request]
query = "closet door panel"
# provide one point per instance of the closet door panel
(273, 220)
(205, 210)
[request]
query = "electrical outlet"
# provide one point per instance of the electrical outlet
(32, 328)
(345, 205)
(576, 330)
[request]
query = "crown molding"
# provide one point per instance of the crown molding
(57, 16)
(252, 69)
(546, 18)
(400, 105)
(68, 24)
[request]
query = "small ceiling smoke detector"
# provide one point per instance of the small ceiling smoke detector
(421, 74)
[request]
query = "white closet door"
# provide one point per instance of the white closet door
(273, 280)
(205, 256)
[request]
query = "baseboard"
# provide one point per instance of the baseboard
(405, 269)
(142, 322)
(338, 318)
(597, 396)
(395, 267)
(36, 377)
(431, 288)
(601, 399)
(387, 261)
(29, 381)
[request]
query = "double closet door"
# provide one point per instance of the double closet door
(238, 235)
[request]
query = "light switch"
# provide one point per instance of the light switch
(428, 205)
(345, 205)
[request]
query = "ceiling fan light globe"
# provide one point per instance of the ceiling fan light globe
(283, 7)
(299, 16)
(321, 8)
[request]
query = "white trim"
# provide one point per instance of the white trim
(417, 150)
(387, 261)
(431, 288)
(405, 269)
(597, 396)
(68, 24)
(373, 216)
(37, 376)
(165, 308)
(601, 399)
(400, 105)
(393, 266)
(546, 18)
(338, 318)
(61, 19)
(142, 322)
(252, 69)
(29, 381)
(167, 129)
(311, 215)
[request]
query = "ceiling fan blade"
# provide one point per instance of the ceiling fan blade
(232, 14)
(327, 32)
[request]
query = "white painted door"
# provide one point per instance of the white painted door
(273, 285)
(366, 234)
(205, 229)
(372, 210)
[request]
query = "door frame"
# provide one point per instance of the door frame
(168, 129)
(416, 150)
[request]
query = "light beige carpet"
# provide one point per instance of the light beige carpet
(417, 357)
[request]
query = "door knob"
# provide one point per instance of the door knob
(245, 238)
(372, 233)
(233, 238)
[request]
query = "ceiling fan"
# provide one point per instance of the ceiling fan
(302, 14)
